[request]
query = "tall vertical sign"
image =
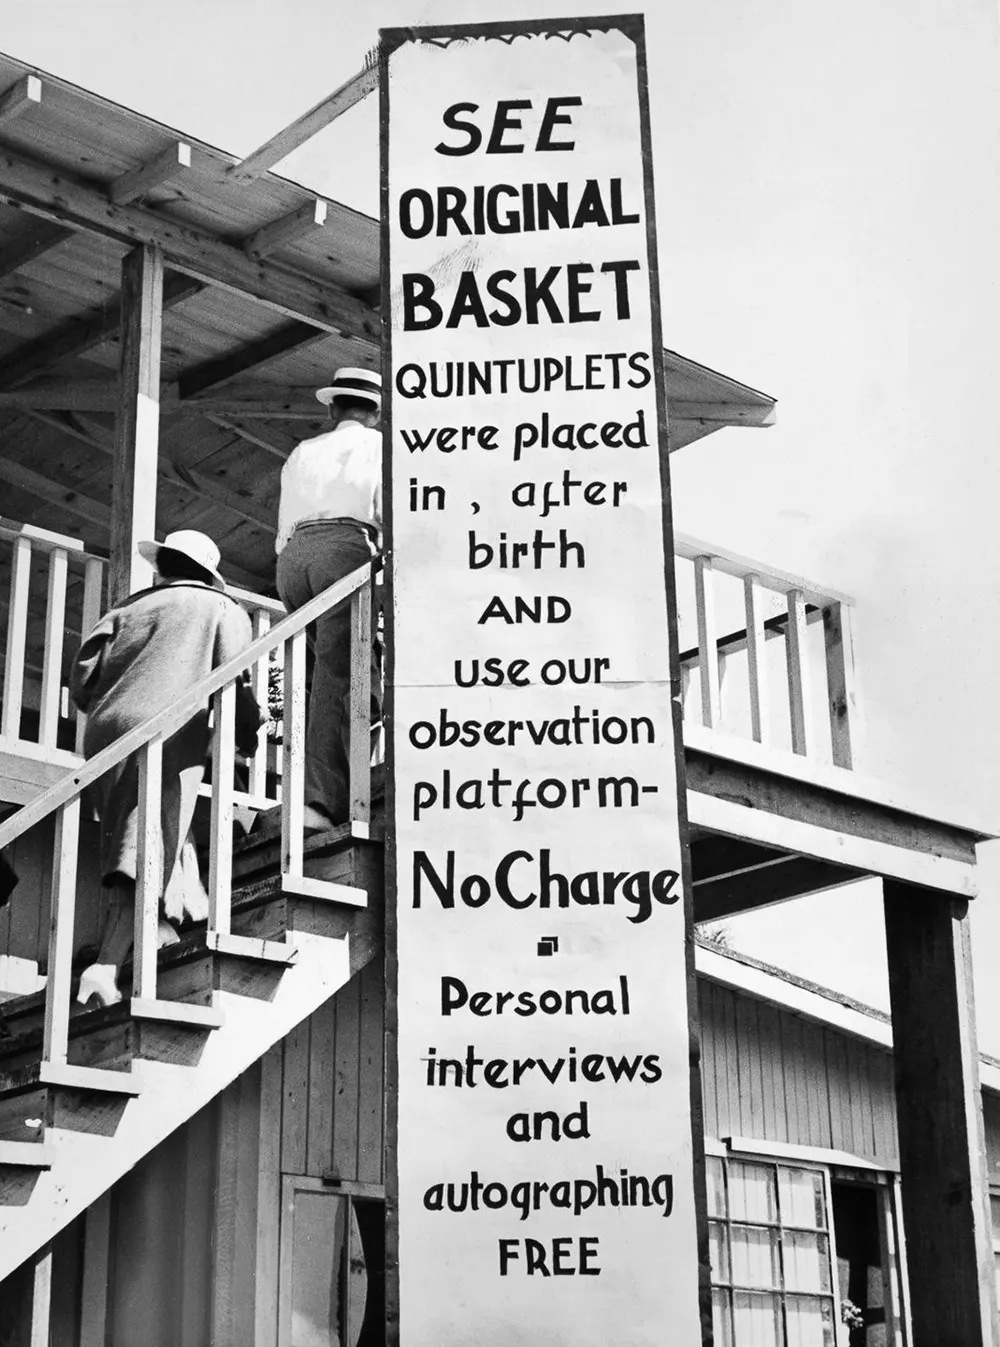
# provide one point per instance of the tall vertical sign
(544, 1189)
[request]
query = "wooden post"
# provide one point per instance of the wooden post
(137, 424)
(942, 1153)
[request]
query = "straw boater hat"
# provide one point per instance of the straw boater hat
(365, 384)
(197, 547)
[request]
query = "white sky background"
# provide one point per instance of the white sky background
(829, 216)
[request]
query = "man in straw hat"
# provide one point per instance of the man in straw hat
(329, 524)
(138, 659)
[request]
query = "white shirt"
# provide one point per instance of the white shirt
(337, 475)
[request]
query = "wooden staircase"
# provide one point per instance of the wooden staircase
(138, 1070)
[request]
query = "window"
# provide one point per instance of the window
(331, 1282)
(772, 1274)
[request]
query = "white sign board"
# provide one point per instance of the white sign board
(543, 1143)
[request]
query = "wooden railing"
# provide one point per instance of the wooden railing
(750, 620)
(218, 689)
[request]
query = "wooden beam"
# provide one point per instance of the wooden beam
(285, 404)
(287, 229)
(25, 94)
(279, 451)
(777, 881)
(82, 334)
(139, 182)
(292, 337)
(721, 413)
(36, 239)
(309, 124)
(68, 199)
(137, 425)
(942, 1153)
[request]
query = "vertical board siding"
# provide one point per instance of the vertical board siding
(772, 1075)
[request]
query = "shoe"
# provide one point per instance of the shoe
(99, 981)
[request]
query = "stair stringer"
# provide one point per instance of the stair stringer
(84, 1165)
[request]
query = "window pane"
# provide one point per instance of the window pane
(754, 1254)
(802, 1198)
(722, 1319)
(752, 1193)
(995, 1213)
(716, 1184)
(317, 1260)
(756, 1320)
(807, 1262)
(809, 1322)
(718, 1252)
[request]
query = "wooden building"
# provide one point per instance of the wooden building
(205, 1162)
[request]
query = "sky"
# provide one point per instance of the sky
(828, 204)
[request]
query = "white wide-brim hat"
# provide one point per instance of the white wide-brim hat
(353, 383)
(197, 547)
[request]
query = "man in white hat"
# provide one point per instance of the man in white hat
(136, 661)
(329, 524)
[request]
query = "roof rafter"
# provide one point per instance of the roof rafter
(25, 94)
(292, 337)
(142, 180)
(296, 225)
(81, 334)
(36, 239)
(67, 199)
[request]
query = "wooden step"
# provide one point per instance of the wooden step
(37, 1095)
(25, 1155)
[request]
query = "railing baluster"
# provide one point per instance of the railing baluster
(708, 651)
(360, 706)
(220, 863)
(841, 686)
(149, 876)
(293, 754)
(55, 1042)
(55, 627)
(257, 784)
(17, 630)
(756, 666)
(93, 586)
(798, 671)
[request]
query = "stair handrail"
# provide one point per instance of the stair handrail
(181, 710)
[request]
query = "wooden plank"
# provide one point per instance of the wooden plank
(25, 95)
(220, 864)
(841, 683)
(260, 620)
(133, 502)
(295, 1096)
(34, 241)
(293, 724)
(942, 1150)
(60, 958)
(200, 1138)
(371, 1073)
(731, 563)
(149, 870)
(359, 709)
(756, 657)
(798, 672)
(69, 199)
(94, 1300)
(708, 660)
(319, 1145)
(306, 126)
(41, 1298)
(268, 1200)
(93, 587)
(139, 182)
(55, 626)
(345, 1107)
(287, 229)
(17, 628)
